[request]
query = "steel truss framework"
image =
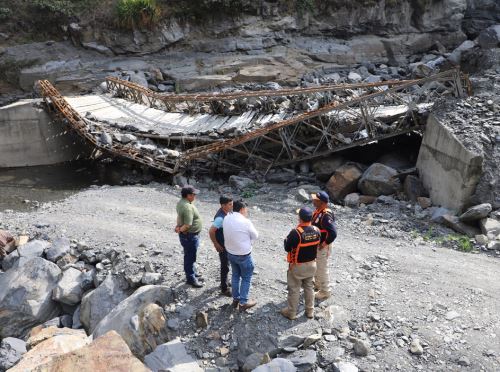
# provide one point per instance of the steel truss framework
(332, 127)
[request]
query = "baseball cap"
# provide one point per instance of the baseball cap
(322, 195)
(305, 214)
(188, 189)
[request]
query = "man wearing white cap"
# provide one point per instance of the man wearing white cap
(323, 219)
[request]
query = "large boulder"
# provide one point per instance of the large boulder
(99, 302)
(69, 289)
(454, 223)
(476, 212)
(11, 350)
(140, 319)
(171, 356)
(24, 253)
(241, 183)
(26, 297)
(379, 179)
(344, 180)
(413, 188)
(46, 351)
(106, 353)
(59, 248)
(490, 38)
(489, 226)
(324, 168)
(39, 334)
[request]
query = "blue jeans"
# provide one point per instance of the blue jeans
(190, 243)
(242, 268)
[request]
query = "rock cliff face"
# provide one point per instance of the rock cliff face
(338, 31)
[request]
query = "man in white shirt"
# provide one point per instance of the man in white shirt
(239, 234)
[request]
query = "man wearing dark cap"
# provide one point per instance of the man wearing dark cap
(216, 234)
(302, 246)
(188, 227)
(323, 219)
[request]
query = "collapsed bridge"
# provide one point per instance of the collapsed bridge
(245, 129)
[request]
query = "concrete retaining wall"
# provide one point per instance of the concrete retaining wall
(448, 170)
(29, 137)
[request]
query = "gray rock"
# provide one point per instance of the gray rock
(438, 213)
(481, 239)
(24, 253)
(276, 365)
(241, 183)
(26, 297)
(413, 188)
(59, 248)
(324, 168)
(106, 139)
(346, 367)
(66, 321)
(463, 361)
(312, 339)
(139, 319)
(476, 213)
(304, 360)
(69, 290)
(138, 78)
(488, 226)
(454, 223)
(302, 196)
(352, 200)
(281, 177)
(494, 245)
(252, 361)
(361, 348)
(76, 323)
(490, 38)
(416, 348)
(354, 77)
(379, 179)
(99, 303)
(171, 356)
(291, 341)
(151, 278)
(174, 324)
(11, 351)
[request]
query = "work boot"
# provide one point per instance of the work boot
(287, 313)
(248, 305)
(235, 304)
(320, 295)
(310, 313)
(226, 292)
(195, 284)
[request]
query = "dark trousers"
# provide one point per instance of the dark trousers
(224, 270)
(190, 243)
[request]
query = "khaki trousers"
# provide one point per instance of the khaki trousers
(322, 278)
(301, 275)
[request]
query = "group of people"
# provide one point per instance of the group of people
(308, 247)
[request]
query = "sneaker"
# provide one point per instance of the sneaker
(322, 295)
(287, 314)
(235, 304)
(248, 305)
(226, 292)
(310, 314)
(195, 284)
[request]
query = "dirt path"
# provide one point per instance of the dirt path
(389, 291)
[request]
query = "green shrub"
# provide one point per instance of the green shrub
(5, 14)
(138, 13)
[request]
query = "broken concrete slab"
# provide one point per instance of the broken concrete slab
(447, 169)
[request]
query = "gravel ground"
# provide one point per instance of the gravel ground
(389, 288)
